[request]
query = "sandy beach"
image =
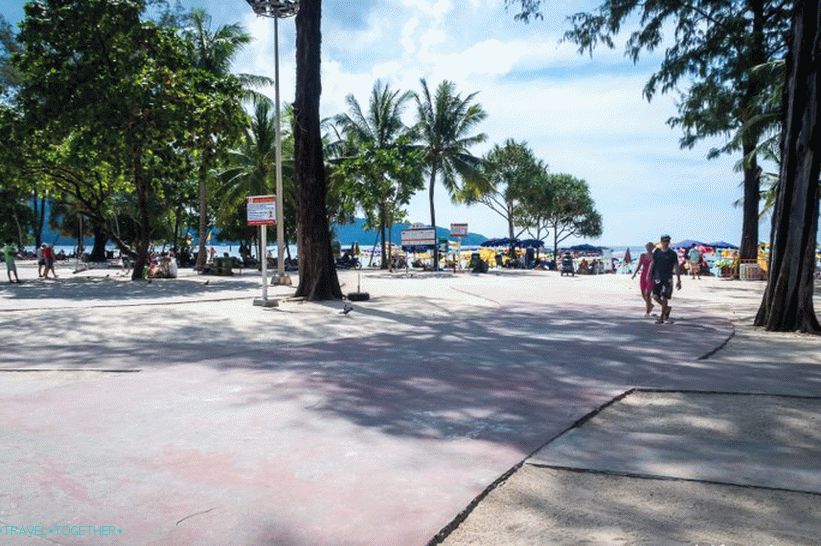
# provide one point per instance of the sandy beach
(179, 413)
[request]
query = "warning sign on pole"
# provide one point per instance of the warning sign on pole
(262, 210)
(458, 230)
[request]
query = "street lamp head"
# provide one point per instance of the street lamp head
(274, 8)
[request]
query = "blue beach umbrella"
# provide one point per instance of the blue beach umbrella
(584, 248)
(531, 243)
(722, 244)
(687, 243)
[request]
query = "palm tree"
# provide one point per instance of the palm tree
(214, 52)
(380, 128)
(250, 169)
(446, 123)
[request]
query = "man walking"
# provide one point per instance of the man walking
(10, 252)
(665, 263)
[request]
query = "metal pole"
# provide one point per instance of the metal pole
(281, 277)
(264, 251)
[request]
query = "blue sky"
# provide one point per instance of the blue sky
(583, 116)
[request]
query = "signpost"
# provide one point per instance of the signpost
(419, 237)
(459, 231)
(262, 212)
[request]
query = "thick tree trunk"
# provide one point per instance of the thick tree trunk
(752, 172)
(317, 271)
(100, 240)
(144, 223)
(788, 300)
(752, 197)
(433, 218)
(203, 227)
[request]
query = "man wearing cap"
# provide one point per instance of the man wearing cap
(664, 264)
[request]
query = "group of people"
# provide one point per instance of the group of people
(45, 261)
(656, 269)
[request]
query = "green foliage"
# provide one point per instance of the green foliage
(379, 168)
(562, 204)
(716, 46)
(507, 172)
(77, 57)
(444, 130)
(10, 77)
(250, 170)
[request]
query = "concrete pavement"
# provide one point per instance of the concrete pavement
(300, 425)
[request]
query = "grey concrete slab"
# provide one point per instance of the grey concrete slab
(548, 506)
(765, 441)
(680, 456)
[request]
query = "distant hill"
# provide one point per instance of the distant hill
(346, 233)
(356, 233)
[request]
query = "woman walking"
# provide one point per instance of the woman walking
(645, 280)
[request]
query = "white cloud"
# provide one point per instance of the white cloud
(586, 117)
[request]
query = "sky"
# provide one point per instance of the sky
(583, 116)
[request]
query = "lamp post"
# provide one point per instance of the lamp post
(277, 9)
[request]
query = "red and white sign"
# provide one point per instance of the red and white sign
(262, 210)
(458, 230)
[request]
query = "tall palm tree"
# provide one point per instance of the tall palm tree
(214, 51)
(445, 130)
(380, 128)
(250, 169)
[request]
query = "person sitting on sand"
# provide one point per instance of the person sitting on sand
(665, 263)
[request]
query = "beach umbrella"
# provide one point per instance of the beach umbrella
(531, 243)
(628, 259)
(584, 248)
(687, 243)
(722, 244)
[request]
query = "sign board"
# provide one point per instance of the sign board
(262, 210)
(419, 237)
(458, 230)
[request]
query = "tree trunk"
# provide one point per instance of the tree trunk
(752, 197)
(177, 218)
(203, 177)
(787, 303)
(39, 219)
(100, 240)
(556, 246)
(144, 223)
(752, 172)
(433, 218)
(21, 239)
(383, 262)
(317, 271)
(390, 242)
(510, 229)
(373, 249)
